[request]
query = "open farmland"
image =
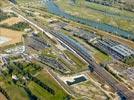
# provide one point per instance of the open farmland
(45, 77)
(13, 36)
(15, 92)
(3, 3)
(11, 21)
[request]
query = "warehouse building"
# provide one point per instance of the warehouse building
(88, 36)
(115, 49)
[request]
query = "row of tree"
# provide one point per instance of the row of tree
(32, 96)
(4, 93)
(50, 90)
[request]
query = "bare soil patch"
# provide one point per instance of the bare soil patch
(14, 36)
(2, 97)
(11, 21)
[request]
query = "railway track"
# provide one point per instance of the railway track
(120, 88)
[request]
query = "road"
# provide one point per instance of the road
(119, 87)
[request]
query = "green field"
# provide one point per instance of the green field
(15, 92)
(15, 89)
(43, 94)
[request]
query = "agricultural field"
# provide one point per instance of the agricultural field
(12, 37)
(45, 77)
(4, 3)
(11, 29)
(15, 92)
(11, 21)
(24, 88)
